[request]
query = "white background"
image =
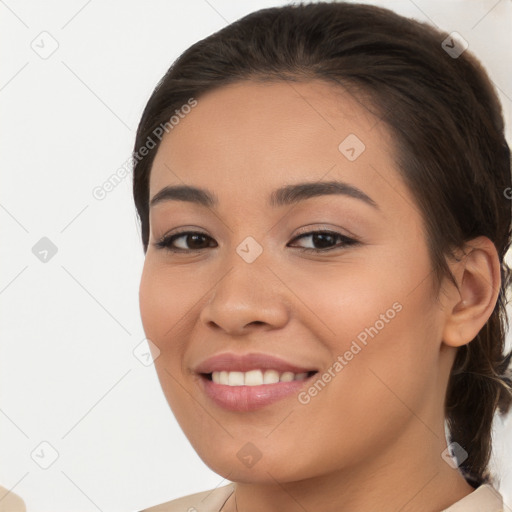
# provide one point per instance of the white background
(69, 326)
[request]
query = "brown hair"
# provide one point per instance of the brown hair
(451, 151)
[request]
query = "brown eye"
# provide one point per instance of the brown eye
(325, 241)
(192, 240)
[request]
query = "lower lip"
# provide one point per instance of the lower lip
(250, 398)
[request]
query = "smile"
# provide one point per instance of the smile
(250, 382)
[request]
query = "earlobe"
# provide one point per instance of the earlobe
(478, 278)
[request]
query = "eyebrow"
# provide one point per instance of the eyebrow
(287, 195)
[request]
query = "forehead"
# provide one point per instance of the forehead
(253, 137)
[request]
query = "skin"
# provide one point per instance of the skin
(372, 439)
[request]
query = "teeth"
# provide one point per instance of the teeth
(236, 378)
(255, 377)
(271, 377)
(287, 377)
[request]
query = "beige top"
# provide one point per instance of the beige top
(483, 499)
(10, 502)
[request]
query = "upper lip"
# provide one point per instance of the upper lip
(228, 361)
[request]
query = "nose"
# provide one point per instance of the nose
(249, 296)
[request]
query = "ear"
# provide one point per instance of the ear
(478, 277)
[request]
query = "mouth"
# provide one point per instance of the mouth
(250, 382)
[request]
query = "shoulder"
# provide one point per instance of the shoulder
(10, 502)
(205, 501)
(483, 499)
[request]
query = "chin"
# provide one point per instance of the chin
(242, 461)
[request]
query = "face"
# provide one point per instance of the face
(328, 290)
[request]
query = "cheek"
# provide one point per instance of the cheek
(151, 303)
(383, 341)
(389, 355)
(354, 302)
(163, 302)
(386, 376)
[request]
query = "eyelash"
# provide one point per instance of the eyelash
(166, 241)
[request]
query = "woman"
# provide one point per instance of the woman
(322, 191)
